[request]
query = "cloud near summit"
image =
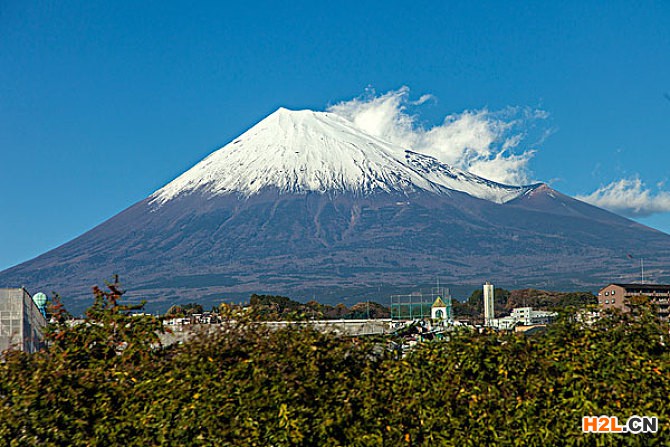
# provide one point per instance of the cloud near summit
(480, 141)
(489, 144)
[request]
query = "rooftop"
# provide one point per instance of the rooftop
(641, 287)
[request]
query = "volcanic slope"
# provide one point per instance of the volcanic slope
(304, 204)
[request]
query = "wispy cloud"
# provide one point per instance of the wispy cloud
(480, 141)
(630, 197)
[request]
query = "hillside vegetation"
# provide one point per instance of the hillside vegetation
(104, 382)
(548, 300)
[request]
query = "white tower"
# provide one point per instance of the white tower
(489, 312)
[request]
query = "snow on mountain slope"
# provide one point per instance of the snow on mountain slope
(467, 182)
(300, 151)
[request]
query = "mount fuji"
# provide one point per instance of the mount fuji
(305, 204)
(296, 152)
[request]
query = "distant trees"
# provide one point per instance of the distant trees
(184, 310)
(281, 307)
(369, 309)
(547, 300)
(278, 307)
(280, 304)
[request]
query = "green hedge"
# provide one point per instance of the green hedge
(104, 383)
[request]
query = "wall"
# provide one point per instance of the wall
(21, 323)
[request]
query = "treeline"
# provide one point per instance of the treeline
(106, 382)
(185, 310)
(281, 307)
(548, 300)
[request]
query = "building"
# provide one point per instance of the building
(617, 296)
(21, 321)
(526, 316)
(522, 316)
(489, 309)
(438, 310)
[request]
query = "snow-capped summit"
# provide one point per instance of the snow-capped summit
(301, 151)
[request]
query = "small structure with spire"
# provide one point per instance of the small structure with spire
(438, 311)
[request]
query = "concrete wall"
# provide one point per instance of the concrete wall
(21, 323)
(182, 333)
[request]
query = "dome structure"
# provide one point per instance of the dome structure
(40, 300)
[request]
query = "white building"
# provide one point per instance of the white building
(523, 316)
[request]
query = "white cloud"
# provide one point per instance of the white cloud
(629, 197)
(478, 141)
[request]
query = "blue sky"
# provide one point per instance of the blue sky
(102, 103)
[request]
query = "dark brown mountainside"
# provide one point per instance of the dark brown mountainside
(196, 248)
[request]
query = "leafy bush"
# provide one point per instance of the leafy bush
(107, 381)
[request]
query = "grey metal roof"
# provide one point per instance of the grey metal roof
(644, 287)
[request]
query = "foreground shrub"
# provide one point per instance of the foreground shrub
(108, 381)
